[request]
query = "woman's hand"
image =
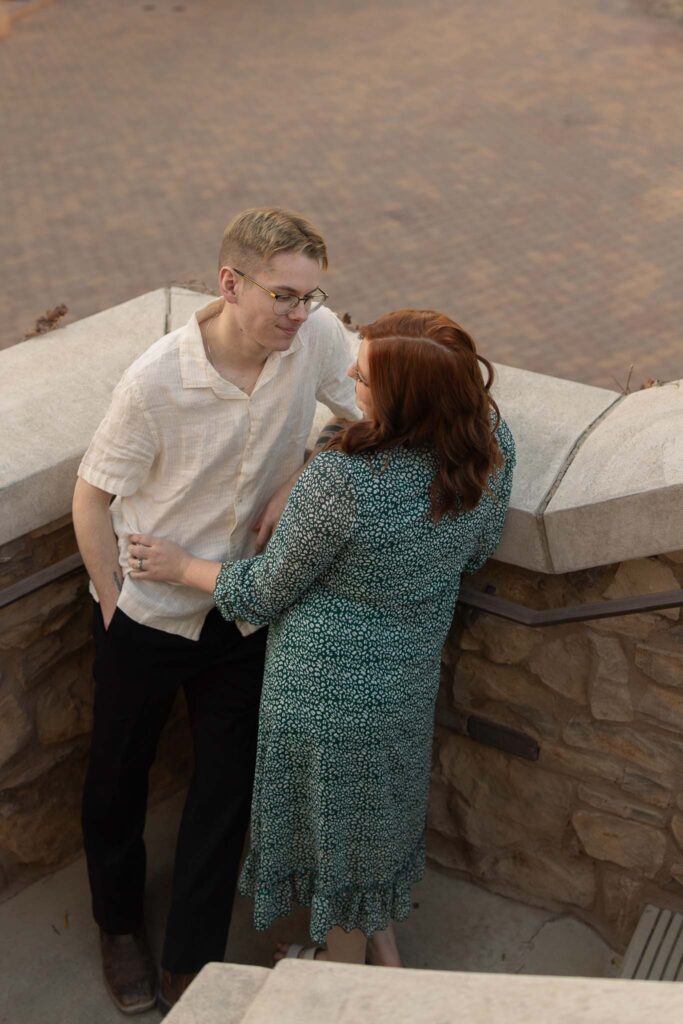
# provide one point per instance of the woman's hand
(151, 558)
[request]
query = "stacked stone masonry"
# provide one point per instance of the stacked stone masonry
(46, 696)
(595, 826)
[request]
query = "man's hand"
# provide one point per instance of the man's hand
(270, 517)
(151, 558)
(108, 606)
(98, 546)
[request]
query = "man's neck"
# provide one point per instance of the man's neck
(226, 342)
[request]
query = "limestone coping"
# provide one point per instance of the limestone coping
(301, 992)
(599, 476)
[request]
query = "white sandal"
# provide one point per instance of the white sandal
(296, 951)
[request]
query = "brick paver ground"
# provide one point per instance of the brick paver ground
(516, 163)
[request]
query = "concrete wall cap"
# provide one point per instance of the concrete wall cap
(299, 992)
(599, 476)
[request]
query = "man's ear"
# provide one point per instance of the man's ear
(227, 281)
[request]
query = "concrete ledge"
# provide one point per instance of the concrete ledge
(297, 992)
(624, 484)
(599, 477)
(54, 391)
(220, 992)
(547, 416)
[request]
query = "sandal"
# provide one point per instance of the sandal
(296, 951)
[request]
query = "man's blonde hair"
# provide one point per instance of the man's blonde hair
(255, 236)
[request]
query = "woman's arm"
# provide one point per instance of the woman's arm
(152, 558)
(317, 522)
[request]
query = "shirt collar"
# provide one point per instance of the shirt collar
(195, 369)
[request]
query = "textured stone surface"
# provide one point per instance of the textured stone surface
(581, 764)
(610, 697)
(566, 411)
(499, 800)
(31, 552)
(614, 803)
(64, 708)
(15, 728)
(605, 837)
(651, 755)
(503, 642)
(677, 829)
(663, 706)
(661, 658)
(54, 391)
(41, 824)
(553, 877)
(563, 665)
(478, 681)
(656, 793)
(297, 992)
(631, 627)
(46, 711)
(217, 995)
(623, 902)
(624, 487)
(644, 576)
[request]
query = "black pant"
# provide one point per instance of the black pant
(137, 673)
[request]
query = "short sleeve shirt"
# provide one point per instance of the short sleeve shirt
(191, 457)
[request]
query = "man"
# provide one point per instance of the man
(202, 443)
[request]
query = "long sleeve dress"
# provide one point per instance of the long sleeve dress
(359, 586)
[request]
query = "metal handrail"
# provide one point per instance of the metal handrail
(59, 570)
(480, 600)
(488, 601)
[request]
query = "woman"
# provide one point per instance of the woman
(359, 583)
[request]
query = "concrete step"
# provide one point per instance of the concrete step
(311, 992)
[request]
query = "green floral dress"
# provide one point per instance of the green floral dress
(359, 586)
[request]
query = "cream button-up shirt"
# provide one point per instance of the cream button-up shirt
(192, 458)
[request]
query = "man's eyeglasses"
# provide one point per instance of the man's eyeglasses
(284, 304)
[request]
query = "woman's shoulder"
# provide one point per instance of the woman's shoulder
(331, 468)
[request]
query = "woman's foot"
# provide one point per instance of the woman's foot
(295, 951)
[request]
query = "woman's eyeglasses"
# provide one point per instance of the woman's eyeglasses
(358, 376)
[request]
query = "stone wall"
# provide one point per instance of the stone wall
(595, 826)
(46, 712)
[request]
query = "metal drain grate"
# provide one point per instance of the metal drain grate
(655, 952)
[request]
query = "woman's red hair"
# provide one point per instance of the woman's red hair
(428, 391)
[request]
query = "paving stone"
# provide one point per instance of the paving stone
(524, 170)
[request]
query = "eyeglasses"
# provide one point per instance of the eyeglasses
(284, 304)
(358, 376)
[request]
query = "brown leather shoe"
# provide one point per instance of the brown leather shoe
(171, 987)
(129, 972)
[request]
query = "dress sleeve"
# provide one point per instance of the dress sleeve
(317, 522)
(501, 485)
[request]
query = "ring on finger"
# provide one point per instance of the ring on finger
(140, 561)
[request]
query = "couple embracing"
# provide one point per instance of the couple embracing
(201, 524)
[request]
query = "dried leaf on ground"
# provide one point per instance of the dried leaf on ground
(48, 321)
